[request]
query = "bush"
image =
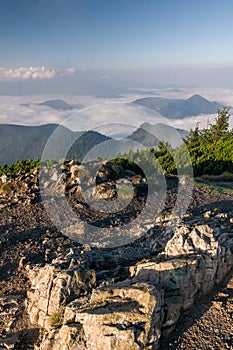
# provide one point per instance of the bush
(6, 188)
(210, 151)
(20, 166)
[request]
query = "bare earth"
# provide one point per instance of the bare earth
(209, 325)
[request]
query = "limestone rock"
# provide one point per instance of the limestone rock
(193, 260)
(199, 239)
(51, 287)
(125, 315)
(9, 308)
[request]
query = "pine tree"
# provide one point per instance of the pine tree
(221, 126)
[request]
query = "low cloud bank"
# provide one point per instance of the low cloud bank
(40, 72)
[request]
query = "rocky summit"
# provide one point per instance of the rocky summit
(59, 293)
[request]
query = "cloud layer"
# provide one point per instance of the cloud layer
(40, 72)
(25, 110)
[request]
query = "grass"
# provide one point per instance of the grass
(56, 319)
(220, 183)
(223, 187)
(224, 177)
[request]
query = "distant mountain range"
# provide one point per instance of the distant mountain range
(56, 104)
(169, 108)
(178, 108)
(150, 135)
(28, 142)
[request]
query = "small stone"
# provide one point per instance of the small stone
(217, 305)
(207, 214)
(22, 262)
(54, 177)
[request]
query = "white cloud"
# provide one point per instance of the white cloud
(67, 72)
(13, 112)
(40, 72)
(202, 121)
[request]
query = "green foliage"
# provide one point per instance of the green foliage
(48, 163)
(150, 161)
(114, 167)
(20, 166)
(125, 191)
(165, 157)
(56, 319)
(208, 151)
(224, 177)
(6, 188)
(211, 149)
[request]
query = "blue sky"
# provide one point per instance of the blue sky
(73, 45)
(106, 34)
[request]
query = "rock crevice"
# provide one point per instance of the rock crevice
(134, 313)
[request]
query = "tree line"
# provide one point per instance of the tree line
(208, 151)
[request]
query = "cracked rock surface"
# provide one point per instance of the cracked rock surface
(56, 293)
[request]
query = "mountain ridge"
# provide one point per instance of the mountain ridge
(180, 108)
(29, 142)
(150, 135)
(57, 104)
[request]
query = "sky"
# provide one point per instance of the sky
(105, 34)
(81, 46)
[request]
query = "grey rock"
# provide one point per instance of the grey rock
(124, 315)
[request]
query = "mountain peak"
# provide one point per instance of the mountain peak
(180, 108)
(56, 104)
(196, 98)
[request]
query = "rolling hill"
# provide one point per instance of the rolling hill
(28, 142)
(179, 108)
(150, 135)
(56, 104)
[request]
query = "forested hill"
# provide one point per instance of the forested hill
(179, 108)
(28, 142)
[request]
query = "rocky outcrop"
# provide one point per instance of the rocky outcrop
(91, 180)
(105, 191)
(133, 314)
(124, 315)
(10, 308)
(19, 189)
(192, 262)
(126, 296)
(53, 286)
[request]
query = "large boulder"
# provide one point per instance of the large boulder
(131, 314)
(193, 260)
(124, 315)
(51, 288)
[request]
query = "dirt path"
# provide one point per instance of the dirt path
(209, 325)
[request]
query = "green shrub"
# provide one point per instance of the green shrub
(56, 319)
(20, 166)
(207, 151)
(6, 188)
